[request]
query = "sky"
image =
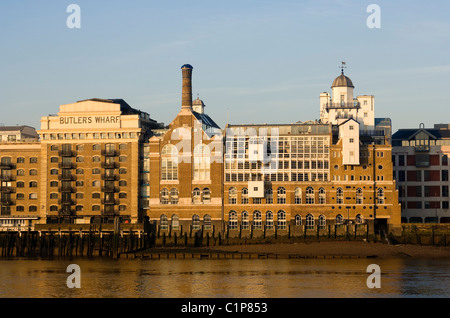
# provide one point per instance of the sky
(255, 61)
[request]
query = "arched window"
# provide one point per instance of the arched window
(359, 219)
(207, 222)
(195, 222)
(202, 162)
(269, 220)
(206, 195)
(244, 196)
(169, 163)
(380, 196)
(339, 196)
(310, 195)
(281, 195)
(175, 222)
(298, 196)
(232, 220)
(232, 196)
(165, 196)
(196, 196)
(96, 183)
(298, 220)
(174, 196)
(339, 219)
(163, 222)
(322, 222)
(322, 196)
(269, 196)
(281, 220)
(359, 196)
(309, 222)
(244, 220)
(257, 220)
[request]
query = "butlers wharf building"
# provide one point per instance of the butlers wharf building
(101, 162)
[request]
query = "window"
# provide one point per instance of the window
(175, 222)
(244, 221)
(322, 222)
(96, 147)
(32, 208)
(309, 222)
(33, 184)
(96, 195)
(53, 195)
(298, 220)
(96, 183)
(122, 195)
(96, 208)
(20, 184)
(281, 195)
(359, 219)
(96, 171)
(163, 222)
(33, 160)
(244, 196)
(20, 208)
(309, 195)
(232, 220)
(20, 172)
(54, 159)
(79, 159)
(201, 162)
(33, 172)
(122, 171)
(122, 183)
(359, 196)
(232, 195)
(20, 160)
(339, 196)
(169, 163)
(207, 225)
(269, 220)
(298, 196)
(79, 171)
(96, 159)
(281, 220)
(196, 195)
(269, 196)
(195, 222)
(322, 196)
(33, 196)
(257, 220)
(380, 196)
(164, 196)
(206, 195)
(20, 196)
(173, 196)
(339, 219)
(351, 140)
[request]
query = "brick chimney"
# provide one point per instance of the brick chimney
(186, 97)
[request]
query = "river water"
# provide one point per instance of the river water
(235, 278)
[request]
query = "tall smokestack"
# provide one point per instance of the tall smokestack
(186, 98)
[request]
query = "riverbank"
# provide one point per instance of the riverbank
(338, 249)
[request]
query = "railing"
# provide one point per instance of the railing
(67, 165)
(110, 189)
(68, 177)
(7, 202)
(67, 189)
(110, 165)
(7, 166)
(110, 201)
(7, 178)
(66, 202)
(110, 177)
(8, 190)
(422, 148)
(67, 153)
(355, 104)
(110, 153)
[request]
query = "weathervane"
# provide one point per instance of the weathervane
(342, 67)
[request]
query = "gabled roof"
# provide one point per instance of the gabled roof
(408, 134)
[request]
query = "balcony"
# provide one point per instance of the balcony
(422, 148)
(69, 189)
(7, 201)
(8, 190)
(111, 211)
(110, 189)
(7, 166)
(110, 153)
(67, 153)
(354, 105)
(110, 202)
(110, 165)
(7, 178)
(67, 165)
(66, 202)
(67, 177)
(66, 211)
(110, 177)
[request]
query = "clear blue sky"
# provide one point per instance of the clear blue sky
(260, 61)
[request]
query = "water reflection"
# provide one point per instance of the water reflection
(224, 278)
